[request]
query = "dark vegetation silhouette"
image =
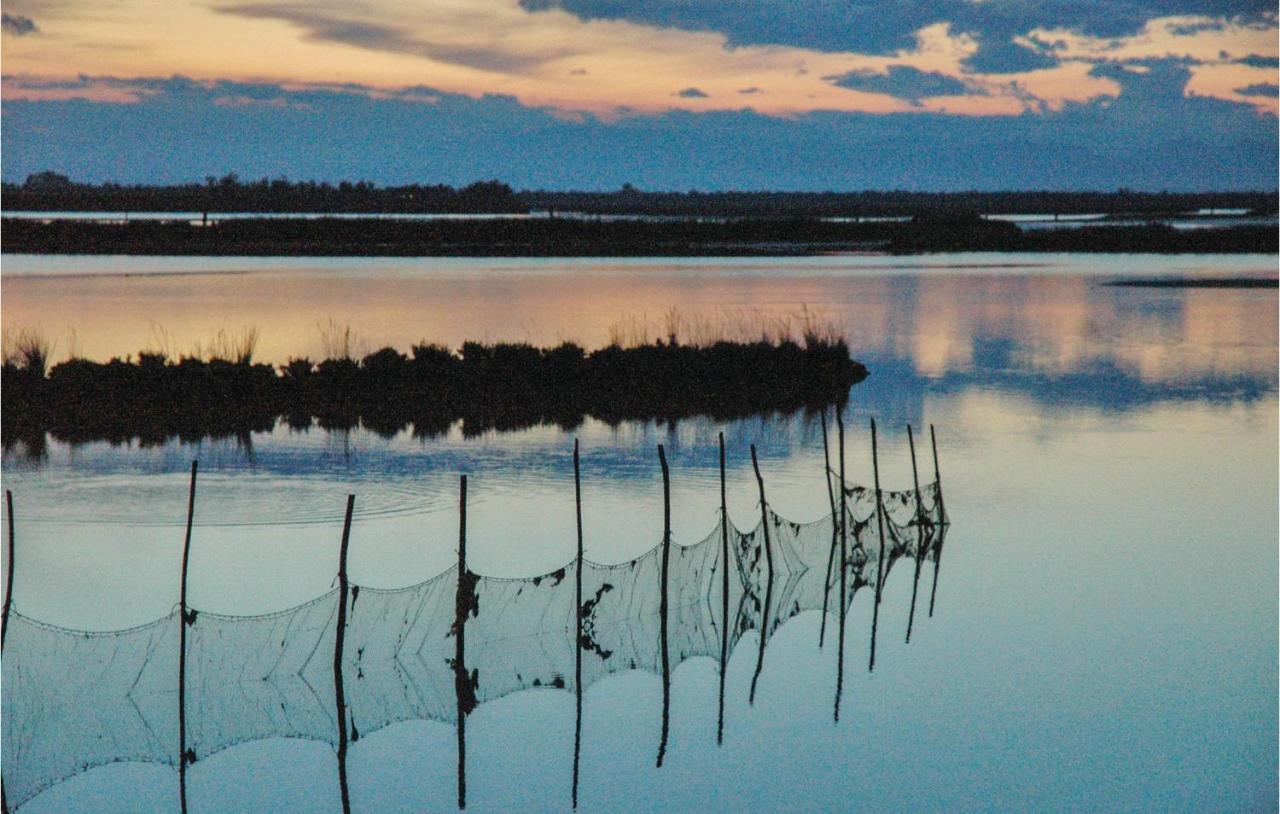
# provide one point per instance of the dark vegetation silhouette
(486, 386)
(52, 191)
(575, 237)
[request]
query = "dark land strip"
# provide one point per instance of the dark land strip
(1198, 282)
(52, 192)
(487, 387)
(576, 237)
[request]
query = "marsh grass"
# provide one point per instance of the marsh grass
(340, 341)
(27, 349)
(232, 346)
(727, 365)
(805, 327)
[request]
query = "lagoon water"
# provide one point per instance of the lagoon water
(1105, 635)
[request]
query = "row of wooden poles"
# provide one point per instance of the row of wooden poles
(466, 601)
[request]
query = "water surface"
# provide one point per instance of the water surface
(1105, 636)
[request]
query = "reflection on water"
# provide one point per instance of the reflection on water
(358, 659)
(1109, 455)
(935, 310)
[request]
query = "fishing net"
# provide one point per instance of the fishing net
(74, 700)
(255, 677)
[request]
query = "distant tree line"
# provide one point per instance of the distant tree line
(51, 191)
(578, 237)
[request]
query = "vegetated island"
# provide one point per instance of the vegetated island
(487, 387)
(51, 191)
(579, 237)
(363, 219)
(1197, 282)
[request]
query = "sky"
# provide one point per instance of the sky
(661, 94)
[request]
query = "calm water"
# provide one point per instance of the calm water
(1106, 629)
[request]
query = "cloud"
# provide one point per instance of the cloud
(882, 28)
(1269, 89)
(963, 57)
(1148, 136)
(691, 93)
(903, 82)
(17, 25)
(323, 24)
(1002, 56)
(1257, 61)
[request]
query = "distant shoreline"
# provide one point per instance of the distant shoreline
(1198, 282)
(556, 237)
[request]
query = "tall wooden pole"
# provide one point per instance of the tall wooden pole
(724, 594)
(185, 619)
(920, 532)
(577, 650)
(461, 679)
(831, 555)
(875, 613)
(340, 633)
(937, 476)
(844, 566)
(8, 581)
(4, 622)
(941, 524)
(662, 607)
(941, 532)
(768, 591)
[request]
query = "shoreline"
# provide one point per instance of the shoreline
(334, 237)
(1202, 282)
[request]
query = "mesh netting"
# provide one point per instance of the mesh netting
(75, 700)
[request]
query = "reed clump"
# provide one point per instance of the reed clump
(485, 385)
(28, 350)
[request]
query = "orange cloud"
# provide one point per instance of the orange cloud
(553, 59)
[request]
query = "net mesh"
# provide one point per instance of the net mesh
(74, 700)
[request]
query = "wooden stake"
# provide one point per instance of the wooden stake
(875, 613)
(662, 608)
(577, 650)
(831, 556)
(937, 477)
(724, 594)
(937, 565)
(461, 679)
(920, 532)
(340, 699)
(184, 619)
(941, 524)
(768, 591)
(4, 622)
(844, 567)
(8, 581)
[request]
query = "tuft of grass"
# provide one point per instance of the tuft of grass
(73, 343)
(236, 347)
(630, 332)
(27, 349)
(228, 346)
(163, 342)
(703, 330)
(340, 341)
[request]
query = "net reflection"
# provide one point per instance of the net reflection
(358, 659)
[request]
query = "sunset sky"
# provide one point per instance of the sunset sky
(712, 94)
